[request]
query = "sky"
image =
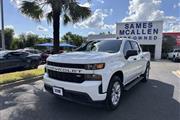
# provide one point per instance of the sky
(105, 15)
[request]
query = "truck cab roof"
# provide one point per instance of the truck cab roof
(123, 39)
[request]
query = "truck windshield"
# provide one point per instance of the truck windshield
(110, 46)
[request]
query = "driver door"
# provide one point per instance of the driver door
(130, 68)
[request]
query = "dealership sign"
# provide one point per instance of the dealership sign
(148, 30)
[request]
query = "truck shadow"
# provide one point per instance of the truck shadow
(146, 101)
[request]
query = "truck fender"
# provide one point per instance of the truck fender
(106, 84)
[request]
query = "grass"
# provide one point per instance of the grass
(15, 76)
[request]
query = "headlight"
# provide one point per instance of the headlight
(95, 66)
(93, 77)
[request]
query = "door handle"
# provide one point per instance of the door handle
(134, 59)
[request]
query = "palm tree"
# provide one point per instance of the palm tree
(68, 10)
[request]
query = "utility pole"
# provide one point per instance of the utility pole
(2, 26)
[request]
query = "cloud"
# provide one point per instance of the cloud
(176, 5)
(46, 8)
(172, 24)
(143, 10)
(91, 33)
(96, 21)
(17, 3)
(86, 4)
(101, 1)
(176, 27)
(29, 32)
(9, 26)
(41, 28)
(16, 35)
(148, 10)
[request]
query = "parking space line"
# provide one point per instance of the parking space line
(177, 73)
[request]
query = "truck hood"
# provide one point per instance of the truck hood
(80, 57)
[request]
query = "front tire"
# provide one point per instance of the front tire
(31, 64)
(34, 64)
(114, 93)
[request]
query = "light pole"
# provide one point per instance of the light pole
(2, 26)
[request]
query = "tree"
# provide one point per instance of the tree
(43, 40)
(31, 40)
(27, 40)
(22, 39)
(8, 33)
(73, 39)
(102, 33)
(69, 10)
(17, 44)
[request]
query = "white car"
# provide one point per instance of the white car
(174, 55)
(97, 71)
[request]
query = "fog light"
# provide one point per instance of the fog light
(93, 77)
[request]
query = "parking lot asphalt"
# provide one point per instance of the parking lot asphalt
(158, 99)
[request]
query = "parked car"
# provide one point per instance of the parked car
(10, 60)
(42, 55)
(98, 71)
(33, 51)
(174, 55)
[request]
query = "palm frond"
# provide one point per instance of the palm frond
(77, 12)
(32, 10)
(66, 19)
(49, 17)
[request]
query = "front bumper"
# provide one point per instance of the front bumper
(88, 90)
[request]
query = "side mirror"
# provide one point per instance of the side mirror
(130, 53)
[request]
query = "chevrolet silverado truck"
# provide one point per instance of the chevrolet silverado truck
(98, 71)
(174, 55)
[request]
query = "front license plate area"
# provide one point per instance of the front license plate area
(58, 91)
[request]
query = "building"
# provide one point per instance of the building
(147, 33)
(100, 36)
(174, 36)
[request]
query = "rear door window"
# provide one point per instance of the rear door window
(18, 54)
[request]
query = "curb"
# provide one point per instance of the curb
(23, 81)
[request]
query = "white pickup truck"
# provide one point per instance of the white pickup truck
(98, 71)
(174, 55)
